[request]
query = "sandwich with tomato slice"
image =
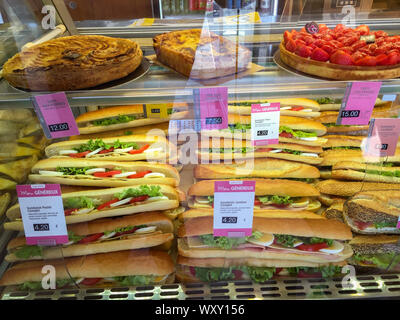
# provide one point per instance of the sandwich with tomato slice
(128, 148)
(313, 240)
(296, 107)
(270, 194)
(373, 212)
(101, 173)
(377, 253)
(227, 150)
(88, 205)
(113, 269)
(259, 168)
(138, 231)
(192, 270)
(291, 130)
(122, 117)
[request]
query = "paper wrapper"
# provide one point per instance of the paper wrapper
(252, 68)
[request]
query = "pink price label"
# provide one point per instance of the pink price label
(55, 115)
(42, 213)
(265, 124)
(213, 103)
(358, 103)
(382, 137)
(398, 223)
(233, 208)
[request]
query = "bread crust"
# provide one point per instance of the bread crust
(72, 62)
(259, 168)
(184, 250)
(336, 71)
(349, 174)
(343, 141)
(293, 102)
(263, 187)
(102, 265)
(321, 228)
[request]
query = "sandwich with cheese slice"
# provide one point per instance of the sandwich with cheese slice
(113, 269)
(312, 240)
(291, 130)
(144, 230)
(101, 173)
(88, 205)
(270, 194)
(295, 107)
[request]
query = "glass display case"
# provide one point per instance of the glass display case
(199, 149)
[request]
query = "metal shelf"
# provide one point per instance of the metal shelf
(367, 286)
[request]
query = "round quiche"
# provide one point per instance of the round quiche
(73, 62)
(342, 53)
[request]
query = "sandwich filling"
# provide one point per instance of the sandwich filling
(259, 242)
(248, 104)
(99, 148)
(100, 172)
(263, 202)
(257, 274)
(131, 196)
(378, 260)
(244, 150)
(32, 251)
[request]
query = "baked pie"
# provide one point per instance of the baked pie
(201, 54)
(73, 62)
(343, 53)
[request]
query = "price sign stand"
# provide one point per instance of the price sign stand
(265, 124)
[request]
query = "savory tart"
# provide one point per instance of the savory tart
(201, 54)
(73, 62)
(343, 53)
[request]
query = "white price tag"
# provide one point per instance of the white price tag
(42, 212)
(265, 124)
(233, 208)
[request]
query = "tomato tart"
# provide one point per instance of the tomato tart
(342, 53)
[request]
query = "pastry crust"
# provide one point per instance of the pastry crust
(200, 54)
(73, 62)
(337, 71)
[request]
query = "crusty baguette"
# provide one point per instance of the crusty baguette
(280, 187)
(375, 244)
(284, 102)
(328, 200)
(321, 228)
(103, 265)
(342, 141)
(108, 194)
(350, 188)
(257, 168)
(277, 214)
(51, 164)
(335, 211)
(245, 110)
(186, 251)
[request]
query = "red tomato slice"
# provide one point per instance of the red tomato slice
(284, 134)
(297, 108)
(91, 238)
(68, 212)
(125, 232)
(277, 205)
(79, 154)
(106, 174)
(139, 199)
(106, 150)
(312, 247)
(303, 274)
(362, 225)
(257, 202)
(139, 175)
(90, 281)
(192, 271)
(238, 274)
(278, 270)
(264, 150)
(139, 150)
(107, 204)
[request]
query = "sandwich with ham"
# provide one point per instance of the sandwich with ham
(376, 253)
(227, 150)
(138, 231)
(101, 173)
(312, 240)
(295, 107)
(88, 205)
(259, 168)
(291, 130)
(113, 269)
(121, 117)
(128, 148)
(192, 270)
(373, 212)
(270, 194)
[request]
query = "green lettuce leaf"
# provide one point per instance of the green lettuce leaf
(276, 199)
(143, 190)
(227, 242)
(92, 145)
(239, 127)
(326, 271)
(327, 100)
(26, 252)
(214, 274)
(260, 274)
(114, 120)
(134, 280)
(297, 133)
(73, 171)
(80, 202)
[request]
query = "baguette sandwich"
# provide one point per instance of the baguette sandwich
(373, 212)
(335, 211)
(120, 268)
(312, 240)
(88, 205)
(100, 173)
(270, 194)
(334, 104)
